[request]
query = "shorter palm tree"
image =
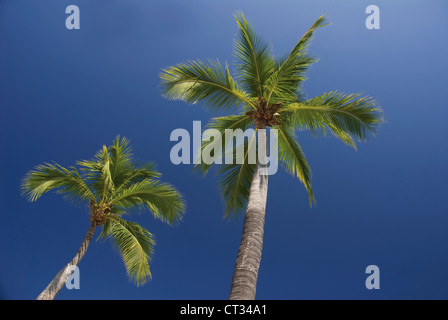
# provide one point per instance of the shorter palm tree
(111, 184)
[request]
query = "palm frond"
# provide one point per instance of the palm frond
(285, 84)
(290, 71)
(207, 82)
(162, 199)
(48, 177)
(120, 159)
(106, 176)
(98, 173)
(347, 116)
(232, 122)
(135, 174)
(254, 61)
(135, 244)
(293, 158)
(112, 169)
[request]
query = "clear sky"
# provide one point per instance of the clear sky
(65, 93)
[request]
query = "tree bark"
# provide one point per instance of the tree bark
(61, 278)
(244, 281)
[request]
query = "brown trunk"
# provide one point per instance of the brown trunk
(244, 281)
(61, 278)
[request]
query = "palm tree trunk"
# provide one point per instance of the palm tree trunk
(61, 278)
(244, 281)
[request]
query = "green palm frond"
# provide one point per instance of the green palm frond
(48, 177)
(135, 175)
(236, 178)
(98, 173)
(232, 122)
(112, 169)
(293, 158)
(107, 184)
(306, 38)
(120, 159)
(347, 116)
(290, 71)
(284, 85)
(207, 82)
(254, 61)
(162, 199)
(106, 165)
(135, 244)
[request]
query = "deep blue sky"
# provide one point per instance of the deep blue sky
(65, 93)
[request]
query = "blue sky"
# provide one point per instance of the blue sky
(65, 93)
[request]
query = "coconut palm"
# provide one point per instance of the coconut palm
(110, 184)
(268, 95)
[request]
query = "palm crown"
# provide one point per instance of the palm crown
(112, 184)
(268, 94)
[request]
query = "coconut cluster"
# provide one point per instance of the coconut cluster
(266, 114)
(98, 212)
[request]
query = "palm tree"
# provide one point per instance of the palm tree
(111, 184)
(268, 95)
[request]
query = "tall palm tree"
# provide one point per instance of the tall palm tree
(268, 95)
(111, 184)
